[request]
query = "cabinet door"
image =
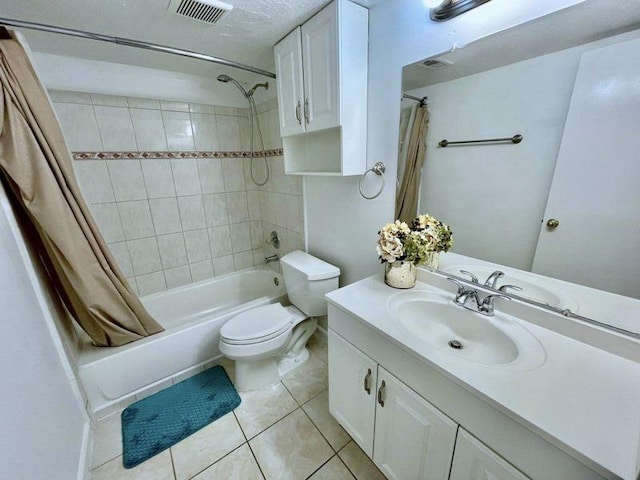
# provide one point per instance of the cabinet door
(412, 439)
(475, 461)
(352, 390)
(320, 65)
(288, 58)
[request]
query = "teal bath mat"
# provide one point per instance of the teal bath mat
(155, 423)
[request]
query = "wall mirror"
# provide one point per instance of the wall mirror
(565, 201)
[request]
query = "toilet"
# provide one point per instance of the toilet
(268, 342)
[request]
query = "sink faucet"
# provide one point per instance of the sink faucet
(492, 281)
(484, 307)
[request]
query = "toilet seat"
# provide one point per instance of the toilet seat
(257, 325)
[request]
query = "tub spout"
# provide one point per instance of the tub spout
(271, 258)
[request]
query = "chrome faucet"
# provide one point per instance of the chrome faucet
(492, 280)
(271, 258)
(484, 307)
(487, 307)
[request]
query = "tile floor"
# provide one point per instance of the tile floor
(282, 432)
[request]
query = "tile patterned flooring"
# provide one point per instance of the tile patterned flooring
(282, 432)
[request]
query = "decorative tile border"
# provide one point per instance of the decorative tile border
(155, 155)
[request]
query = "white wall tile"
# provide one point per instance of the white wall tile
(151, 283)
(243, 112)
(145, 257)
(133, 285)
(253, 205)
(121, 254)
(215, 208)
(158, 178)
(177, 127)
(223, 265)
(237, 207)
(257, 238)
(201, 270)
(79, 126)
(220, 241)
(127, 180)
(240, 237)
(136, 219)
(233, 173)
(280, 207)
(243, 260)
(274, 129)
(149, 130)
(165, 215)
(197, 244)
(177, 276)
(210, 171)
(115, 128)
(192, 212)
(94, 181)
(186, 177)
(143, 103)
(108, 219)
(293, 206)
(201, 108)
(172, 250)
(224, 110)
(70, 97)
(228, 133)
(205, 132)
(108, 100)
(174, 106)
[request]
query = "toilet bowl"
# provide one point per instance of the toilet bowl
(268, 342)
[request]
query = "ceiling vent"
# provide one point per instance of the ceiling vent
(207, 11)
(436, 64)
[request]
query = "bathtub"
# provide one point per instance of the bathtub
(192, 317)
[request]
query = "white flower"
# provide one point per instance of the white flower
(389, 248)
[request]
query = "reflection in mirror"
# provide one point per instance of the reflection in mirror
(565, 202)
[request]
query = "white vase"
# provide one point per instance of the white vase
(433, 261)
(400, 274)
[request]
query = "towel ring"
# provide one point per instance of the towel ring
(378, 169)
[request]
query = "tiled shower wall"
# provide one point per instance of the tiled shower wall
(170, 222)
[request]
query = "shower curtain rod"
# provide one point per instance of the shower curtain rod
(133, 43)
(422, 101)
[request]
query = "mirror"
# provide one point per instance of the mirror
(564, 202)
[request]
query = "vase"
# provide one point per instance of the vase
(400, 274)
(433, 261)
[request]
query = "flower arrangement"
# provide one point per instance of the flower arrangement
(415, 243)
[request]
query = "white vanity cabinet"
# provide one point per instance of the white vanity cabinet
(321, 70)
(407, 437)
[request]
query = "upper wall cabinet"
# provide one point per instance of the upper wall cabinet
(322, 92)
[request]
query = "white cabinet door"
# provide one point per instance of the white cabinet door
(352, 390)
(412, 439)
(320, 65)
(474, 461)
(288, 58)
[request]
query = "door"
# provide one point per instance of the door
(320, 65)
(288, 58)
(475, 461)
(412, 438)
(595, 193)
(352, 389)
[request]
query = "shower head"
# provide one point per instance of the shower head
(226, 78)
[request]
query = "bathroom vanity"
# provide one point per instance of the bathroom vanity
(521, 399)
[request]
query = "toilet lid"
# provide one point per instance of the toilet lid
(256, 324)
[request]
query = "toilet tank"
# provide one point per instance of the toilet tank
(307, 280)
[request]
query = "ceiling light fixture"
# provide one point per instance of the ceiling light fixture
(448, 9)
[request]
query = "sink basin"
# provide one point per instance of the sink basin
(436, 320)
(530, 289)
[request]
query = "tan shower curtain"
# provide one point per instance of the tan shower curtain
(36, 166)
(407, 195)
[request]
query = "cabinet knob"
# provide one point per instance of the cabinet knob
(298, 117)
(552, 223)
(380, 393)
(367, 377)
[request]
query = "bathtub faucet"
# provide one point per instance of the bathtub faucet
(271, 258)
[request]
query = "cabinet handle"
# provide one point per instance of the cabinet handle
(367, 388)
(306, 110)
(298, 113)
(380, 391)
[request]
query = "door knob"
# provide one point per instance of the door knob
(552, 223)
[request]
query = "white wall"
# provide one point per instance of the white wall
(44, 425)
(342, 226)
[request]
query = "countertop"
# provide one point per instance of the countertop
(582, 398)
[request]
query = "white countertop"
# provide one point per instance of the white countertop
(582, 398)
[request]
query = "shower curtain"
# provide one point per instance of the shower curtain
(411, 159)
(36, 168)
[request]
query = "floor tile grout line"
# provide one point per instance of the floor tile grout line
(318, 428)
(173, 465)
(320, 467)
(256, 460)
(217, 461)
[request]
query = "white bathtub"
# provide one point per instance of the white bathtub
(192, 316)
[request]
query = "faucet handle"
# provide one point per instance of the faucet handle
(474, 279)
(486, 307)
(493, 279)
(461, 287)
(504, 288)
